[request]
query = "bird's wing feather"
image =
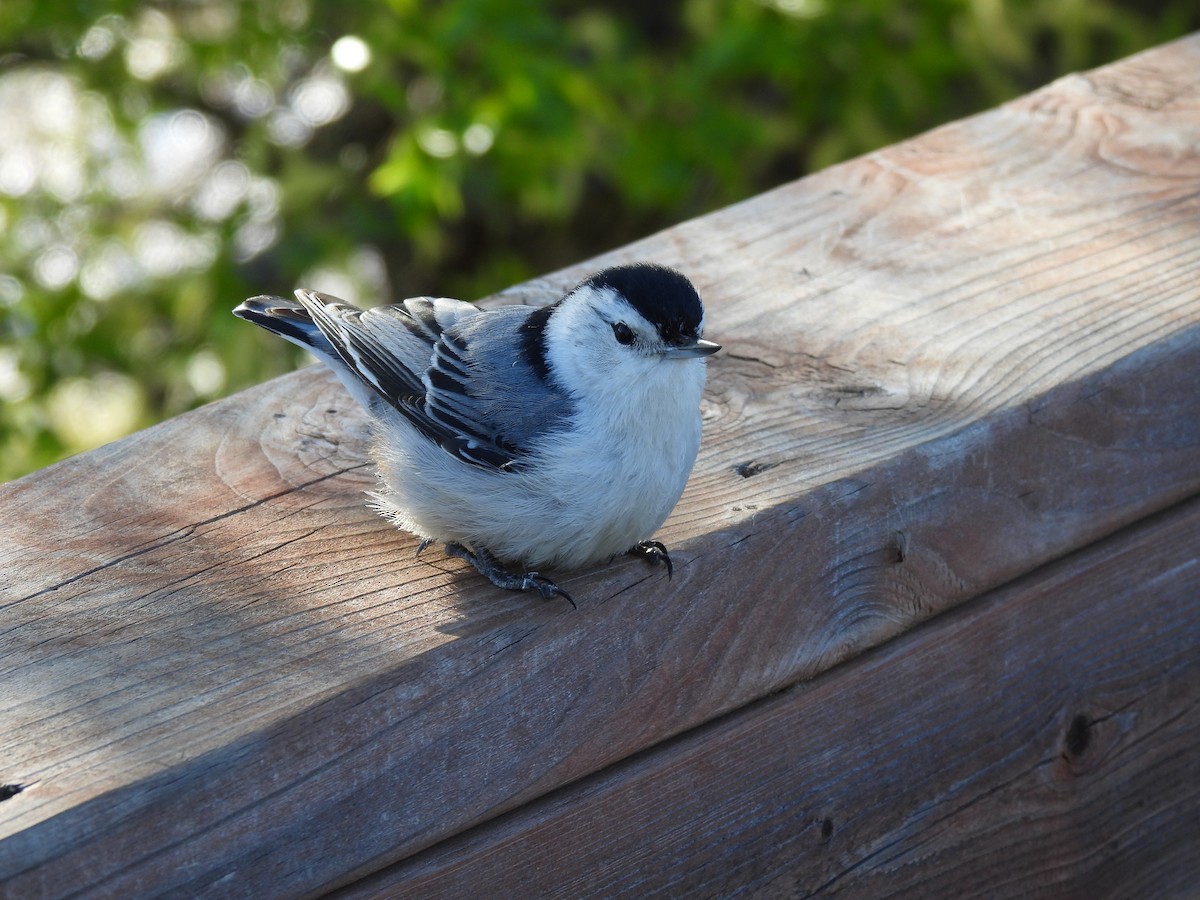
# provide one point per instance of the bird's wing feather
(452, 370)
(480, 374)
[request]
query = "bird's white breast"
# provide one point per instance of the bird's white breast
(591, 491)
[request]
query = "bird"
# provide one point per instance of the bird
(522, 438)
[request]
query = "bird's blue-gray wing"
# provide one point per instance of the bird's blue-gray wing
(482, 382)
(455, 372)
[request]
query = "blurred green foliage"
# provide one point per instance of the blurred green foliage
(164, 160)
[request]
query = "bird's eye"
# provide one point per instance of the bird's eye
(623, 333)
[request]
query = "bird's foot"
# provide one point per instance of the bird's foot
(491, 569)
(654, 552)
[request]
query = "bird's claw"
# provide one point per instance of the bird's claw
(491, 569)
(545, 587)
(654, 552)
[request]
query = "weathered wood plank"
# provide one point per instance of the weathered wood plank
(208, 644)
(1041, 741)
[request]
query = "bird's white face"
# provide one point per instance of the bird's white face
(599, 345)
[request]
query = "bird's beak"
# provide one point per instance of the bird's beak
(691, 351)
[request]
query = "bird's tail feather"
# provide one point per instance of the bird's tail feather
(288, 319)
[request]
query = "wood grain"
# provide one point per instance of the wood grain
(1041, 741)
(946, 364)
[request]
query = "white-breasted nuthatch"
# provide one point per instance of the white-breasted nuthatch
(552, 436)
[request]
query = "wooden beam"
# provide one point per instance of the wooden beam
(947, 363)
(1040, 740)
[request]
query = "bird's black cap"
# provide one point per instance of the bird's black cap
(665, 297)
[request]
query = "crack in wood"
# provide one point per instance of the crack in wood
(180, 534)
(628, 587)
(754, 359)
(514, 641)
(753, 467)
